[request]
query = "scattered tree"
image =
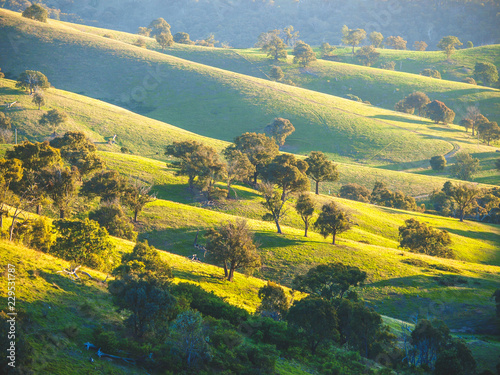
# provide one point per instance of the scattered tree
(303, 54)
(330, 280)
(486, 72)
(5, 122)
(465, 198)
(327, 50)
(305, 208)
(144, 31)
(112, 217)
(467, 123)
(376, 39)
(332, 221)
(107, 184)
(291, 36)
(438, 163)
(159, 26)
(488, 131)
(273, 203)
(36, 12)
(232, 245)
(438, 111)
(355, 192)
(182, 38)
(279, 130)
(388, 65)
(39, 99)
(465, 166)
(469, 80)
(321, 169)
(367, 55)
(238, 168)
(417, 100)
(275, 48)
(288, 173)
(448, 44)
(352, 37)
(427, 339)
(136, 196)
(382, 196)
(433, 73)
(11, 171)
(395, 42)
(419, 238)
(164, 40)
(53, 118)
(61, 186)
(32, 80)
(274, 301)
(276, 73)
(420, 46)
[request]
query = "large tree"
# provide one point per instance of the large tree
(288, 173)
(36, 12)
(276, 207)
(232, 245)
(465, 197)
(448, 44)
(32, 80)
(238, 168)
(279, 130)
(417, 100)
(395, 42)
(321, 169)
(158, 26)
(62, 186)
(355, 192)
(182, 38)
(259, 148)
(275, 48)
(330, 280)
(107, 184)
(305, 208)
(465, 166)
(438, 111)
(367, 55)
(137, 195)
(164, 40)
(274, 301)
(376, 39)
(332, 221)
(419, 238)
(291, 35)
(486, 72)
(352, 37)
(488, 131)
(53, 118)
(303, 54)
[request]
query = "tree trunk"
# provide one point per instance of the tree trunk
(317, 187)
(306, 227)
(226, 273)
(278, 226)
(255, 178)
(333, 238)
(1, 221)
(38, 209)
(231, 274)
(462, 214)
(61, 213)
(136, 212)
(11, 232)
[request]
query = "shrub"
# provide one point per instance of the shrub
(114, 220)
(419, 238)
(430, 73)
(355, 192)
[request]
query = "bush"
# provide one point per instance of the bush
(431, 73)
(418, 237)
(114, 220)
(36, 234)
(416, 262)
(355, 192)
(438, 163)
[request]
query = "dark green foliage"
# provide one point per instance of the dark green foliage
(416, 262)
(85, 243)
(464, 197)
(36, 234)
(438, 112)
(367, 55)
(39, 98)
(208, 303)
(428, 337)
(450, 280)
(488, 131)
(79, 151)
(496, 297)
(61, 186)
(382, 196)
(231, 245)
(53, 118)
(303, 54)
(417, 101)
(486, 72)
(112, 217)
(24, 352)
(332, 221)
(182, 38)
(395, 42)
(274, 302)
(107, 184)
(317, 319)
(438, 162)
(190, 338)
(355, 192)
(35, 156)
(32, 80)
(329, 280)
(5, 122)
(305, 208)
(36, 12)
(238, 167)
(419, 238)
(276, 73)
(433, 73)
(276, 207)
(465, 166)
(279, 130)
(321, 169)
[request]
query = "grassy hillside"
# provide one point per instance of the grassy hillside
(222, 104)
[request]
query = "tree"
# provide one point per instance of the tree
(303, 54)
(465, 166)
(136, 196)
(159, 26)
(488, 131)
(164, 40)
(396, 42)
(107, 184)
(417, 237)
(305, 208)
(85, 243)
(332, 220)
(321, 169)
(61, 186)
(238, 168)
(232, 245)
(190, 338)
(433, 73)
(367, 55)
(376, 39)
(144, 31)
(448, 44)
(316, 318)
(36, 12)
(469, 80)
(455, 357)
(259, 149)
(417, 100)
(352, 37)
(473, 116)
(438, 111)
(280, 129)
(438, 163)
(487, 73)
(32, 80)
(290, 35)
(465, 198)
(5, 122)
(53, 118)
(427, 339)
(382, 196)
(2, 75)
(112, 217)
(288, 173)
(388, 65)
(420, 46)
(39, 99)
(274, 301)
(327, 50)
(467, 123)
(11, 170)
(182, 38)
(79, 151)
(330, 280)
(276, 73)
(275, 48)
(355, 192)
(273, 203)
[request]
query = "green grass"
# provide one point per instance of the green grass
(221, 104)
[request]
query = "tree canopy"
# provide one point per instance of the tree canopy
(279, 130)
(36, 12)
(53, 118)
(32, 80)
(486, 72)
(438, 112)
(305, 208)
(352, 37)
(275, 47)
(332, 221)
(321, 169)
(303, 54)
(465, 166)
(395, 42)
(367, 55)
(376, 39)
(419, 238)
(448, 44)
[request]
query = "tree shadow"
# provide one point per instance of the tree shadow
(400, 119)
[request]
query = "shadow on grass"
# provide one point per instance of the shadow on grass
(271, 239)
(399, 119)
